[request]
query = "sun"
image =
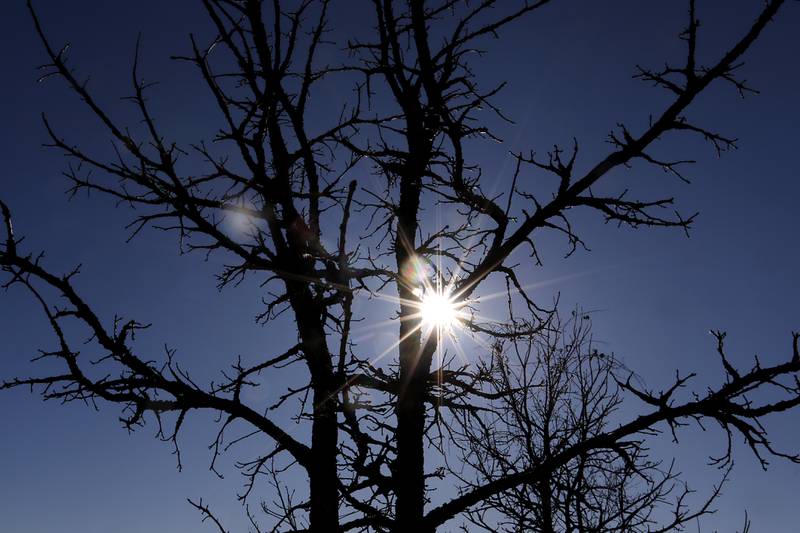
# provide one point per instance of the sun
(438, 309)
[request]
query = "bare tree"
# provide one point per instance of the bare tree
(555, 391)
(535, 418)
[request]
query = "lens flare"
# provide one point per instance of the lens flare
(438, 309)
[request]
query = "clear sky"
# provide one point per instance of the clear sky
(657, 293)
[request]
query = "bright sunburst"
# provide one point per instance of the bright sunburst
(439, 309)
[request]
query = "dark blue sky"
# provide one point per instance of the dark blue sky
(569, 68)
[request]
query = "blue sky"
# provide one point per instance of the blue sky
(656, 293)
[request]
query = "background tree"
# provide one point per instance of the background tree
(544, 445)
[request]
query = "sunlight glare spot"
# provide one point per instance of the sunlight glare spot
(438, 309)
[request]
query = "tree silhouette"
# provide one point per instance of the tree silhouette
(529, 434)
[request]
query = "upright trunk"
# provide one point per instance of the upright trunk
(415, 362)
(409, 468)
(323, 475)
(545, 491)
(324, 491)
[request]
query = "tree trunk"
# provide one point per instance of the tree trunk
(323, 475)
(546, 498)
(324, 490)
(409, 468)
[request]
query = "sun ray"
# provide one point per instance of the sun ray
(395, 344)
(536, 285)
(374, 360)
(442, 308)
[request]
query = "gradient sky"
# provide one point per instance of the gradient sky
(656, 293)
